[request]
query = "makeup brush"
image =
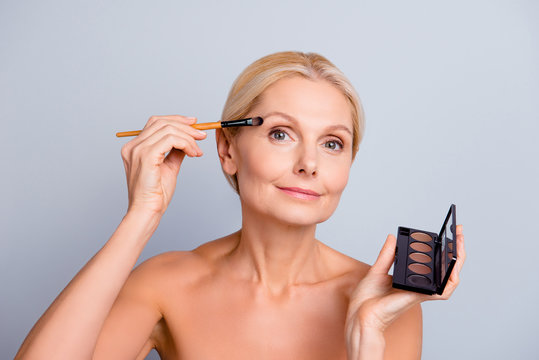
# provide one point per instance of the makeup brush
(255, 121)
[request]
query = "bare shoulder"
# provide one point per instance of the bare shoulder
(182, 266)
(342, 263)
(345, 268)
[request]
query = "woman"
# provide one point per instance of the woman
(268, 291)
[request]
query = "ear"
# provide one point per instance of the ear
(226, 151)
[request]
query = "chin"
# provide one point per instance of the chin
(293, 214)
(284, 209)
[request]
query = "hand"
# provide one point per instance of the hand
(151, 177)
(375, 304)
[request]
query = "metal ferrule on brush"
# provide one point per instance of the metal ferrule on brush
(242, 122)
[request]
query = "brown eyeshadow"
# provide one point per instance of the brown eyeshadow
(419, 236)
(420, 257)
(419, 268)
(417, 246)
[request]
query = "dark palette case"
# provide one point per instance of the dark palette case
(423, 259)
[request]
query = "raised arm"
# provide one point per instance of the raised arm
(70, 327)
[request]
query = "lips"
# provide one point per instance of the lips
(300, 193)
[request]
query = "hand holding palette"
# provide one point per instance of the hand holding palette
(423, 259)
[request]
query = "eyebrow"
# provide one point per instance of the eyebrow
(295, 121)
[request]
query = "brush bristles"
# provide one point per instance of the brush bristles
(257, 121)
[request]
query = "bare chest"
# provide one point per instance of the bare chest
(237, 322)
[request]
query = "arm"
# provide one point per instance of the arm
(404, 337)
(402, 340)
(71, 326)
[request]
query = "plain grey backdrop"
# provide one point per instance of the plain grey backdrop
(450, 91)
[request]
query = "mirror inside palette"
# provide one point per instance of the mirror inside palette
(423, 259)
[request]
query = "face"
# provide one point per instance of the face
(295, 166)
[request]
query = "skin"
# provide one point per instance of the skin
(271, 290)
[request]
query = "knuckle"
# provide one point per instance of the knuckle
(136, 152)
(125, 152)
(170, 137)
(152, 120)
(169, 128)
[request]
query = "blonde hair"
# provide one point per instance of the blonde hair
(251, 83)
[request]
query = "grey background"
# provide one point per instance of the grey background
(450, 91)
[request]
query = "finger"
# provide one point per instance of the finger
(454, 278)
(153, 126)
(176, 129)
(185, 119)
(450, 287)
(171, 130)
(461, 252)
(174, 160)
(191, 149)
(163, 126)
(386, 257)
(157, 151)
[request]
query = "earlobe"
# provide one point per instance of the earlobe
(226, 152)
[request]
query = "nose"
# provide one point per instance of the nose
(307, 160)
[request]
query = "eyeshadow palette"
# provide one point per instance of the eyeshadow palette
(423, 259)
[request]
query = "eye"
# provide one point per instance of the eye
(278, 135)
(334, 145)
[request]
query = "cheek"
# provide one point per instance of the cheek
(262, 165)
(336, 176)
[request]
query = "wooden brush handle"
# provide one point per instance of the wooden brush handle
(207, 126)
(128, 133)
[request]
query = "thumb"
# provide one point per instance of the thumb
(386, 257)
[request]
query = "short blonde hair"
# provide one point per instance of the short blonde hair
(251, 83)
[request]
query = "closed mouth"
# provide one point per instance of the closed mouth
(300, 190)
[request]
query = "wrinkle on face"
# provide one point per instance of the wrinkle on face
(310, 111)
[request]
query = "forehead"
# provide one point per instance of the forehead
(307, 100)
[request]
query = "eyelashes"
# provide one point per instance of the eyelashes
(279, 135)
(279, 132)
(335, 144)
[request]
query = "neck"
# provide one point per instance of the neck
(276, 254)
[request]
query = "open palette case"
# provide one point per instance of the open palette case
(423, 259)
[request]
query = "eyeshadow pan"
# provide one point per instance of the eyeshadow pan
(419, 236)
(424, 260)
(420, 257)
(420, 247)
(419, 280)
(419, 268)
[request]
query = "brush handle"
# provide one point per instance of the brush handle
(202, 126)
